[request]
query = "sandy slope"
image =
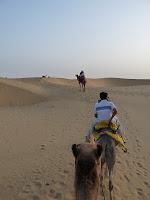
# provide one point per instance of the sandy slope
(41, 118)
(15, 92)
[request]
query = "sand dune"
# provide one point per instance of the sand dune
(90, 82)
(41, 118)
(100, 82)
(14, 92)
(116, 82)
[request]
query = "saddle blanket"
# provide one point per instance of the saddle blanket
(102, 128)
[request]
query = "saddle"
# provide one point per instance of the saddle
(102, 128)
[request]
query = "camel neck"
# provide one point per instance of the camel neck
(87, 186)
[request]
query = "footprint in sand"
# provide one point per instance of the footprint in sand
(138, 149)
(53, 138)
(140, 165)
(35, 197)
(138, 173)
(43, 146)
(35, 191)
(126, 177)
(139, 191)
(71, 164)
(118, 162)
(63, 173)
(147, 184)
(138, 143)
(141, 173)
(55, 195)
(30, 191)
(62, 184)
(26, 189)
(66, 172)
(145, 173)
(53, 181)
(36, 171)
(36, 185)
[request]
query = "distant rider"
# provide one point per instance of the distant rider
(82, 75)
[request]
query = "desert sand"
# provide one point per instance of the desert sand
(40, 118)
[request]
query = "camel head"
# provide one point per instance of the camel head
(86, 156)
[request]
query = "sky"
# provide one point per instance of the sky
(105, 38)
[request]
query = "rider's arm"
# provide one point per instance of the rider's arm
(114, 112)
(95, 113)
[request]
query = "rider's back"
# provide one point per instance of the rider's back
(103, 109)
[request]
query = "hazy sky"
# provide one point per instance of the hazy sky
(105, 38)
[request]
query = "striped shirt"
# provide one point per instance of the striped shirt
(104, 110)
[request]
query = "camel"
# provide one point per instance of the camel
(81, 81)
(87, 170)
(108, 157)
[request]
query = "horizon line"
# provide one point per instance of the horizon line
(61, 77)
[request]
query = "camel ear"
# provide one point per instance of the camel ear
(99, 150)
(75, 150)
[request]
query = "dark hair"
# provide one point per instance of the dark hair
(103, 95)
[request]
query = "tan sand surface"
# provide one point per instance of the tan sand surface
(40, 118)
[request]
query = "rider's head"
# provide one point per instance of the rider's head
(103, 95)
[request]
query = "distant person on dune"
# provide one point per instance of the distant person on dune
(82, 74)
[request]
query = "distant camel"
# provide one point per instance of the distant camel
(81, 81)
(44, 76)
(109, 157)
(87, 170)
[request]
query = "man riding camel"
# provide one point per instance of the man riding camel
(105, 117)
